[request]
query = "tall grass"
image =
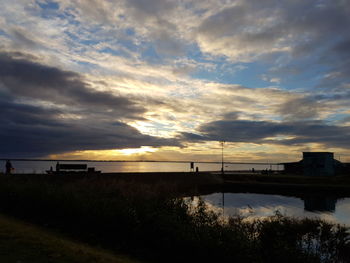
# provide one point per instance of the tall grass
(150, 221)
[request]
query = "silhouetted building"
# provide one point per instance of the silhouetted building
(293, 167)
(318, 163)
(315, 164)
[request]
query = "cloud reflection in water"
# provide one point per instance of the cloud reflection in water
(252, 206)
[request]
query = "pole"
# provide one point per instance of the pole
(223, 204)
(222, 156)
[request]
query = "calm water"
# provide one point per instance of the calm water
(113, 167)
(252, 206)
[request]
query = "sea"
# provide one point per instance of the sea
(38, 167)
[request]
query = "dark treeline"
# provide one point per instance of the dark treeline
(150, 221)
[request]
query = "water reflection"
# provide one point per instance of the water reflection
(252, 206)
(320, 203)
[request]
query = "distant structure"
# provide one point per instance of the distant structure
(319, 163)
(316, 164)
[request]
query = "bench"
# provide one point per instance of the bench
(66, 168)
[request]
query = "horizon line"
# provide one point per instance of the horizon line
(154, 161)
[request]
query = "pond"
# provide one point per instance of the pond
(252, 205)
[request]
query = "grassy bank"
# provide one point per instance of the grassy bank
(293, 185)
(23, 242)
(289, 178)
(147, 220)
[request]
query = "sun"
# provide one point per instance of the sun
(131, 151)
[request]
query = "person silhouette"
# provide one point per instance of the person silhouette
(57, 167)
(9, 167)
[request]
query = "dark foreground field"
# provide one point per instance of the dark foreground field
(145, 216)
(27, 243)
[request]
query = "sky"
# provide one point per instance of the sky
(170, 79)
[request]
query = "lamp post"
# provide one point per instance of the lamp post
(222, 172)
(222, 156)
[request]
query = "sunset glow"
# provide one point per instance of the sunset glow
(168, 80)
(141, 150)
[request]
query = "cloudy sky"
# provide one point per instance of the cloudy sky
(168, 80)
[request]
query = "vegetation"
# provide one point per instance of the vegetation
(294, 185)
(149, 221)
(289, 178)
(23, 242)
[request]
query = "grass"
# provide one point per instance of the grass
(289, 178)
(148, 220)
(293, 185)
(23, 242)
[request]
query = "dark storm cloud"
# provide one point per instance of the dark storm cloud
(262, 131)
(33, 131)
(13, 114)
(90, 120)
(23, 77)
